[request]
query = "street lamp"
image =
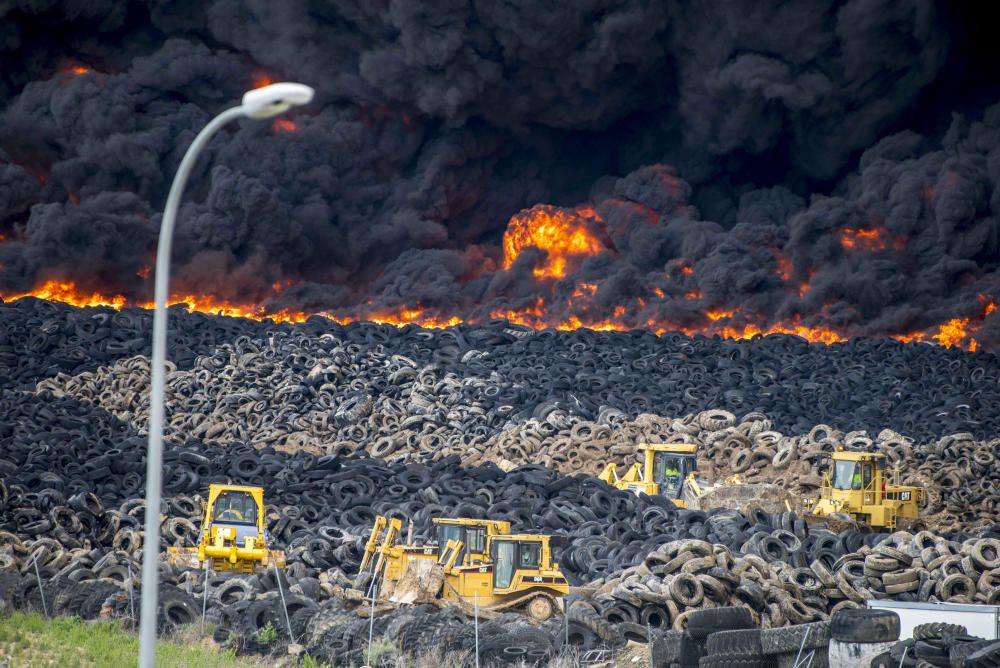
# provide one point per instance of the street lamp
(259, 103)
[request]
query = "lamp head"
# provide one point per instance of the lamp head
(274, 99)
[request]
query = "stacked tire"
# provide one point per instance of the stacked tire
(791, 645)
(690, 647)
(740, 648)
(940, 644)
(859, 635)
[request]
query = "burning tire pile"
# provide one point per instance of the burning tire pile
(340, 424)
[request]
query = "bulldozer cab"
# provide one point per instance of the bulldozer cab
(237, 509)
(858, 474)
(474, 534)
(667, 465)
(856, 486)
(233, 532)
(525, 560)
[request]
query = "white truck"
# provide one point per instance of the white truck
(980, 620)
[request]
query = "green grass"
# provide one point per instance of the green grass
(381, 647)
(68, 642)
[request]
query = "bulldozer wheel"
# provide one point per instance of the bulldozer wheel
(540, 608)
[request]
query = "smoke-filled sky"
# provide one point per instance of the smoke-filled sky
(830, 163)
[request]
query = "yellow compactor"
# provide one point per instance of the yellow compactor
(233, 533)
(472, 563)
(857, 489)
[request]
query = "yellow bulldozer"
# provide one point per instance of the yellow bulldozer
(233, 533)
(473, 563)
(857, 490)
(665, 469)
(670, 470)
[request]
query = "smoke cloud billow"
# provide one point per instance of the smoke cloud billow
(735, 164)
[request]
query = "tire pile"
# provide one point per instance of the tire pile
(342, 423)
(659, 563)
(289, 394)
(940, 644)
(921, 391)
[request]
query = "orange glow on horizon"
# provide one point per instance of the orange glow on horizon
(955, 332)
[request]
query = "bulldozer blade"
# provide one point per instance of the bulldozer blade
(743, 497)
(913, 525)
(183, 557)
(832, 523)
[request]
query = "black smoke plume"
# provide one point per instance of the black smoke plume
(739, 140)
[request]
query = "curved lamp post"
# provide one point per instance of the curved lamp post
(259, 103)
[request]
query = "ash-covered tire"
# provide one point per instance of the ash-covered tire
(864, 625)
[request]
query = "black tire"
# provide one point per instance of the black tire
(864, 625)
(884, 660)
(790, 638)
(701, 623)
(960, 652)
(986, 657)
(931, 652)
(665, 648)
(598, 626)
(734, 644)
(938, 630)
(712, 661)
(176, 608)
(99, 592)
(692, 651)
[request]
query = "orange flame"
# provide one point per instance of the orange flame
(815, 334)
(284, 125)
(866, 239)
(566, 236)
(954, 332)
(783, 266)
(67, 292)
(870, 239)
(719, 314)
(260, 78)
(806, 285)
(79, 69)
